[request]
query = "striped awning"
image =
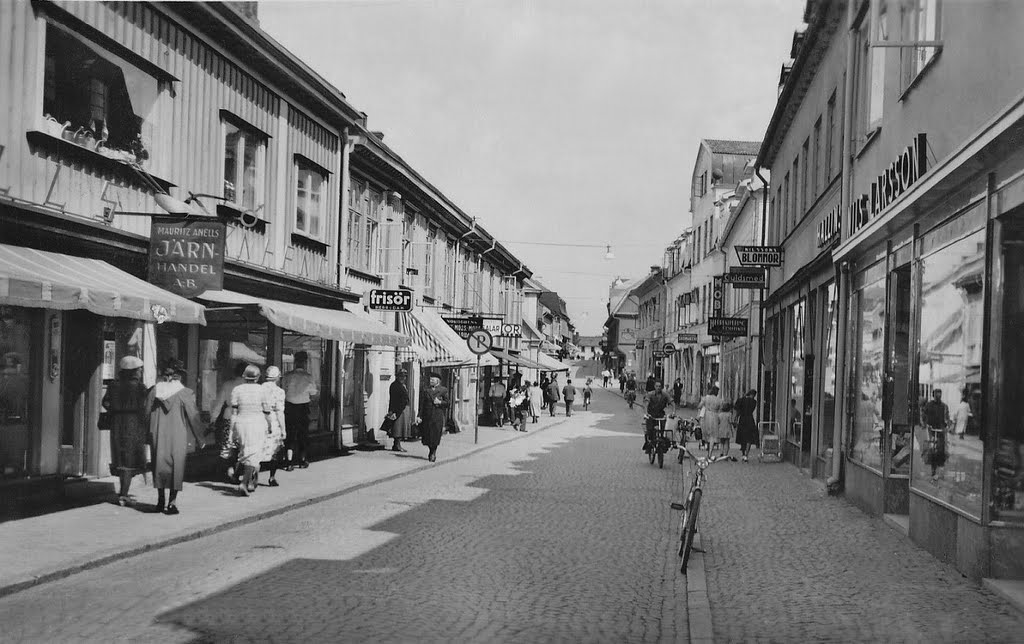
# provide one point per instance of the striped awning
(550, 364)
(436, 344)
(329, 324)
(518, 360)
(44, 280)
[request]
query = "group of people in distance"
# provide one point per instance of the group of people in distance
(256, 424)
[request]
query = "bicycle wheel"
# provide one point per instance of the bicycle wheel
(690, 529)
(650, 452)
(661, 458)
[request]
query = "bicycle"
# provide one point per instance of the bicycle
(658, 441)
(691, 507)
(690, 429)
(630, 397)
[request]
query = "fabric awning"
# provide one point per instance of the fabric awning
(44, 280)
(550, 364)
(436, 344)
(330, 324)
(521, 361)
(530, 332)
(549, 346)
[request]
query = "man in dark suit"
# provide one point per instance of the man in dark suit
(398, 402)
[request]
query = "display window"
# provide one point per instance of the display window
(227, 344)
(295, 344)
(949, 431)
(830, 328)
(868, 348)
(17, 374)
(795, 402)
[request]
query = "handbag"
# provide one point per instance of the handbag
(105, 421)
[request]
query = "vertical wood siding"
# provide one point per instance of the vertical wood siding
(187, 146)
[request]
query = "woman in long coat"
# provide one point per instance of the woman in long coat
(434, 403)
(536, 395)
(710, 405)
(746, 426)
(172, 415)
(399, 412)
(125, 403)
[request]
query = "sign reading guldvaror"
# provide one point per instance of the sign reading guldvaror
(187, 257)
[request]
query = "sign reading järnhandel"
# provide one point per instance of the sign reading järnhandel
(187, 257)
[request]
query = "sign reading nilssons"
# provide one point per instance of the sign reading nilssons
(187, 257)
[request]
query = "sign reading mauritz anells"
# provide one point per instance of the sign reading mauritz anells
(187, 257)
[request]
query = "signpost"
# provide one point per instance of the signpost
(382, 299)
(759, 255)
(187, 257)
(746, 277)
(479, 342)
(727, 327)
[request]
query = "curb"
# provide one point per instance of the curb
(101, 559)
(698, 603)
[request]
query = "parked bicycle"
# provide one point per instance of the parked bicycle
(691, 507)
(657, 439)
(689, 429)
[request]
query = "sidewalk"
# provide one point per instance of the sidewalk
(55, 545)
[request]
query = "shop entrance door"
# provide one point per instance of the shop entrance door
(895, 408)
(80, 389)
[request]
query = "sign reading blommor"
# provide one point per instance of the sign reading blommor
(187, 257)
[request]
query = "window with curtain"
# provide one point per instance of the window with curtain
(310, 199)
(920, 22)
(428, 260)
(244, 162)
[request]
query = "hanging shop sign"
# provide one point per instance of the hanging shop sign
(390, 300)
(658, 354)
(717, 293)
(830, 227)
(187, 258)
(745, 277)
(727, 327)
(759, 255)
(464, 325)
(669, 348)
(893, 182)
(686, 338)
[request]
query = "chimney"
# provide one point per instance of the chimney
(655, 269)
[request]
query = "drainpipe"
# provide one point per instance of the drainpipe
(842, 275)
(760, 297)
(458, 256)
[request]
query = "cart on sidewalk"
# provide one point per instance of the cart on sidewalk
(771, 441)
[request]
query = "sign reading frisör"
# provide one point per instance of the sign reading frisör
(759, 255)
(727, 327)
(187, 257)
(390, 300)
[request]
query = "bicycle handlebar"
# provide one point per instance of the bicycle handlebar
(702, 459)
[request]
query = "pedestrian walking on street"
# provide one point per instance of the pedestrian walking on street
(536, 397)
(554, 395)
(220, 414)
(273, 403)
(433, 405)
(936, 415)
(622, 383)
(710, 406)
(519, 405)
(396, 421)
(569, 394)
(250, 426)
(746, 425)
(125, 406)
(726, 428)
(963, 415)
(605, 375)
(300, 391)
(497, 395)
(677, 392)
(587, 393)
(172, 416)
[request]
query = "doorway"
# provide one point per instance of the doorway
(895, 402)
(80, 389)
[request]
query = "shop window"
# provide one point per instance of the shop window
(795, 406)
(949, 432)
(351, 400)
(867, 436)
(920, 23)
(828, 369)
(310, 199)
(1007, 491)
(17, 373)
(107, 103)
(245, 152)
(316, 366)
(226, 344)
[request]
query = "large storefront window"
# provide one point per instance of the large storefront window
(795, 404)
(1007, 496)
(948, 434)
(16, 378)
(293, 344)
(868, 366)
(225, 343)
(830, 327)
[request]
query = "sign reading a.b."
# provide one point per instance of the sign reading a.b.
(187, 258)
(390, 300)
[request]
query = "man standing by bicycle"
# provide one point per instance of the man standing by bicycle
(656, 404)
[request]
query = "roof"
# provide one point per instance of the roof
(553, 303)
(723, 146)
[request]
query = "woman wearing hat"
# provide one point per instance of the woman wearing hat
(250, 425)
(433, 410)
(273, 404)
(172, 415)
(125, 404)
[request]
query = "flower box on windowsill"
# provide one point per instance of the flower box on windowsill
(90, 157)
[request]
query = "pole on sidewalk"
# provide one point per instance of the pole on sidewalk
(476, 404)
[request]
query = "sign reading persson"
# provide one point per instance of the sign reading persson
(390, 300)
(464, 325)
(759, 255)
(187, 257)
(727, 327)
(745, 277)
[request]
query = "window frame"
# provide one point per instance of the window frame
(910, 32)
(260, 181)
(301, 164)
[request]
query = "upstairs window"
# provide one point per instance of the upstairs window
(310, 199)
(106, 102)
(870, 77)
(245, 152)
(920, 25)
(363, 226)
(428, 260)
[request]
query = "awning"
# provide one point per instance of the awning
(436, 344)
(549, 347)
(550, 364)
(43, 280)
(521, 361)
(530, 332)
(330, 324)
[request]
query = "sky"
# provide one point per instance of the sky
(554, 121)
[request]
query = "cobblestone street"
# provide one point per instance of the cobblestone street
(564, 535)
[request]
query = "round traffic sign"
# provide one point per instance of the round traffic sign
(669, 348)
(479, 341)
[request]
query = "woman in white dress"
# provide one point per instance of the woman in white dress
(710, 406)
(273, 404)
(536, 396)
(249, 427)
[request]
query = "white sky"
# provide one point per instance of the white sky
(567, 121)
